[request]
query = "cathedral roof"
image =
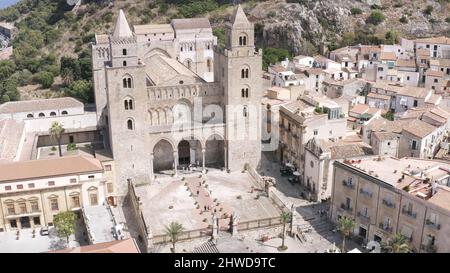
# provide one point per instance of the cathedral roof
(239, 18)
(122, 29)
(190, 23)
(164, 71)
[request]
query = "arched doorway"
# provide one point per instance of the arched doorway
(189, 152)
(214, 152)
(163, 159)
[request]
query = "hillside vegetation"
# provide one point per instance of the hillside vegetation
(52, 54)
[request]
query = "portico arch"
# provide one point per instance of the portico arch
(163, 154)
(215, 151)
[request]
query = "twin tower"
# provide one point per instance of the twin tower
(152, 77)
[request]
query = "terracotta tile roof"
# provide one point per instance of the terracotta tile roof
(440, 62)
(278, 68)
(191, 23)
(441, 197)
(378, 96)
(157, 28)
(406, 63)
(10, 135)
(121, 246)
(423, 52)
(360, 109)
(39, 105)
(434, 73)
(419, 128)
(388, 56)
(70, 165)
(383, 136)
(435, 40)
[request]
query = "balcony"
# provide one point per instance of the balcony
(16, 214)
(345, 183)
(365, 193)
(345, 207)
(409, 213)
(385, 227)
(430, 224)
(363, 216)
(388, 203)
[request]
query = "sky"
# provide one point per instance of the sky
(6, 3)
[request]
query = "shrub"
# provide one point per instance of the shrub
(447, 19)
(44, 78)
(355, 11)
(376, 17)
(53, 149)
(428, 10)
(71, 147)
(403, 19)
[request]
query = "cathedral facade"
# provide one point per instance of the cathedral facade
(168, 97)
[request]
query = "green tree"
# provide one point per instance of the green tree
(273, 55)
(81, 90)
(346, 226)
(389, 115)
(8, 90)
(392, 37)
(348, 38)
(428, 10)
(45, 78)
(173, 231)
(65, 224)
(376, 17)
(398, 244)
(308, 48)
(285, 218)
(56, 131)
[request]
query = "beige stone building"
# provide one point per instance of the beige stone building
(168, 97)
(32, 192)
(385, 196)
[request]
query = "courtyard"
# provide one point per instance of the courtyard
(192, 199)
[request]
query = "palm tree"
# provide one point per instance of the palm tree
(346, 226)
(173, 231)
(285, 218)
(56, 131)
(398, 244)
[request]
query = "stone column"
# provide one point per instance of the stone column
(152, 175)
(203, 160)
(215, 230)
(175, 163)
(225, 148)
(234, 224)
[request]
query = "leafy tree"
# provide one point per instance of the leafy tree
(56, 131)
(219, 32)
(173, 231)
(308, 48)
(348, 38)
(45, 79)
(388, 115)
(81, 89)
(403, 19)
(285, 218)
(272, 55)
(398, 244)
(346, 226)
(392, 37)
(8, 90)
(65, 224)
(376, 17)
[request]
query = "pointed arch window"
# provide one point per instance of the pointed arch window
(128, 104)
(244, 73)
(124, 63)
(130, 124)
(209, 65)
(245, 111)
(244, 92)
(127, 82)
(243, 40)
(124, 52)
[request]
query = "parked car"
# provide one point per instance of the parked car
(44, 231)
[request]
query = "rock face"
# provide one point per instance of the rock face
(288, 25)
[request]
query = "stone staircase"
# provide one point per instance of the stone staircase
(208, 247)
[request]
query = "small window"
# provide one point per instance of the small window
(31, 185)
(108, 168)
(19, 187)
(7, 188)
(316, 132)
(51, 183)
(73, 180)
(54, 204)
(245, 111)
(109, 187)
(64, 113)
(91, 176)
(124, 52)
(41, 115)
(124, 63)
(52, 114)
(130, 124)
(436, 80)
(30, 116)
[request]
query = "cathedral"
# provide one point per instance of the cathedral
(168, 97)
